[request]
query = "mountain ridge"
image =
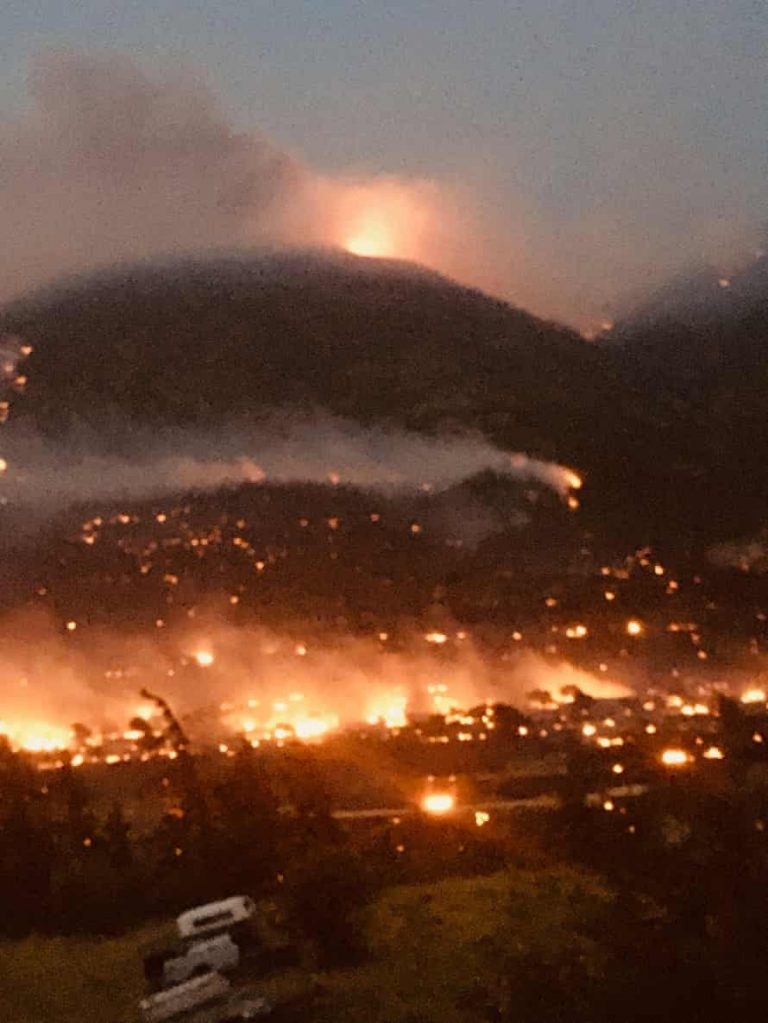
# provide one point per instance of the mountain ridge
(222, 339)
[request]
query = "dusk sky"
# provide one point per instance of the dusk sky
(596, 146)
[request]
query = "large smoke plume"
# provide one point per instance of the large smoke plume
(111, 164)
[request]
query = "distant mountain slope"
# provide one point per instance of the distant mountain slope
(702, 347)
(205, 340)
(211, 341)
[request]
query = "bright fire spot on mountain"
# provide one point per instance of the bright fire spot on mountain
(386, 218)
(373, 238)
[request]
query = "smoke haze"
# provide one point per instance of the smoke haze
(110, 164)
(52, 678)
(49, 476)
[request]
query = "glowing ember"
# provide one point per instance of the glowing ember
(674, 758)
(204, 658)
(438, 803)
(314, 727)
(690, 710)
(390, 713)
(436, 637)
(577, 632)
(713, 753)
(634, 627)
(35, 737)
(754, 696)
(481, 818)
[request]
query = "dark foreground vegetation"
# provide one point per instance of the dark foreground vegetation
(652, 907)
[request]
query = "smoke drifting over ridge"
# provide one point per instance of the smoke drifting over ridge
(112, 165)
(287, 450)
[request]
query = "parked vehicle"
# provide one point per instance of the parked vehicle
(172, 966)
(192, 994)
(228, 915)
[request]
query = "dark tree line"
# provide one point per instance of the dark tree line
(686, 932)
(66, 869)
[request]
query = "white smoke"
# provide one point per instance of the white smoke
(47, 475)
(112, 165)
(533, 672)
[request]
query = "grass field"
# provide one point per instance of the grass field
(429, 944)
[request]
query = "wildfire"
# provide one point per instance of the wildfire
(314, 727)
(438, 638)
(688, 710)
(437, 804)
(754, 696)
(713, 753)
(36, 736)
(386, 218)
(674, 758)
(391, 713)
(577, 632)
(373, 238)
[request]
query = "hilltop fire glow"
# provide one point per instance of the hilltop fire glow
(385, 217)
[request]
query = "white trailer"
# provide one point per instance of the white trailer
(236, 912)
